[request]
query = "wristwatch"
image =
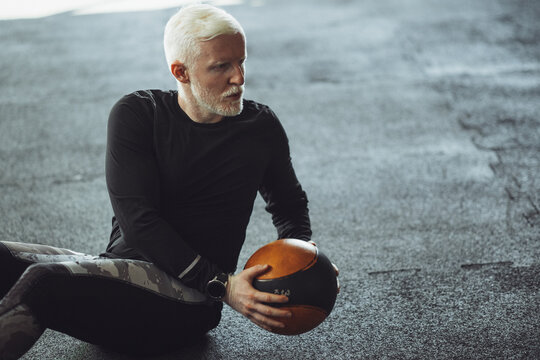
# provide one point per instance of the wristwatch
(217, 287)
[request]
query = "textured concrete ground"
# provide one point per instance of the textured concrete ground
(414, 127)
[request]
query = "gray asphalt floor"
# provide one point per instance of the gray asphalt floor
(414, 128)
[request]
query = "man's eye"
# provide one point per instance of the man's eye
(221, 66)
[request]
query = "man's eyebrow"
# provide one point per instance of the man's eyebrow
(224, 61)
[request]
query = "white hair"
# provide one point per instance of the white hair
(192, 24)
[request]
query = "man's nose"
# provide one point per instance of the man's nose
(238, 76)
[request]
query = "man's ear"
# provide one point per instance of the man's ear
(180, 72)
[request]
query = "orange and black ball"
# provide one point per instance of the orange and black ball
(300, 271)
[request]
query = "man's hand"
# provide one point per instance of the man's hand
(248, 301)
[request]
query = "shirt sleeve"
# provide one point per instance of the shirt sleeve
(134, 190)
(285, 199)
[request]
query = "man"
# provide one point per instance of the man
(183, 169)
(184, 193)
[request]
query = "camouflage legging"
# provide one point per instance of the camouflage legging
(128, 305)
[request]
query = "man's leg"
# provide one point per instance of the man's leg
(128, 305)
(16, 257)
(19, 328)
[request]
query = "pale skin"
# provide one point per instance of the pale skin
(219, 68)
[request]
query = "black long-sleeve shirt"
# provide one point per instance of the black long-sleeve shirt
(182, 192)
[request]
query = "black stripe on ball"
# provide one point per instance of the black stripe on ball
(315, 286)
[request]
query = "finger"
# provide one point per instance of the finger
(271, 328)
(268, 298)
(261, 325)
(266, 322)
(254, 271)
(336, 269)
(270, 311)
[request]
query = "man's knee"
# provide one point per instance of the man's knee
(33, 281)
(38, 271)
(11, 268)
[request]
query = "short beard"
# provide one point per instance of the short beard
(214, 104)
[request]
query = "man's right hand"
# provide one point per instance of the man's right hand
(253, 304)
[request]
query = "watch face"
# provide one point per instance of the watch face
(216, 289)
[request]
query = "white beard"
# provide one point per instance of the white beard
(218, 104)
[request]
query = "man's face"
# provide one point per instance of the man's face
(217, 77)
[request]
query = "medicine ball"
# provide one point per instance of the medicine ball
(302, 273)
